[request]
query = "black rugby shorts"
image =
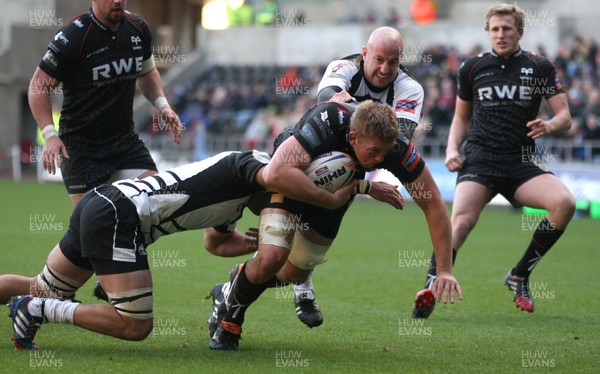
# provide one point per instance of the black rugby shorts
(85, 169)
(104, 234)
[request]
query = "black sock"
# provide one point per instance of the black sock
(544, 237)
(242, 295)
(275, 282)
(432, 272)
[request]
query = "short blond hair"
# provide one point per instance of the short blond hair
(504, 9)
(373, 119)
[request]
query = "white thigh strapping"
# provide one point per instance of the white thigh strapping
(56, 286)
(275, 229)
(133, 303)
(306, 254)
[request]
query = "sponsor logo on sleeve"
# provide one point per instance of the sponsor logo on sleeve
(309, 134)
(408, 106)
(558, 84)
(50, 60)
(338, 67)
(60, 36)
(412, 158)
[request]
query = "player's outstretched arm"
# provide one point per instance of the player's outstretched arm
(427, 195)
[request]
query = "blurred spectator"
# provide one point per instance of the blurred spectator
(592, 101)
(394, 19)
(452, 61)
(446, 101)
(370, 17)
(576, 98)
(591, 130)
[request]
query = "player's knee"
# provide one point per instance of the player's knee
(135, 308)
(463, 224)
(561, 208)
(137, 329)
(567, 205)
(270, 261)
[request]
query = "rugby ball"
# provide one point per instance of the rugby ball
(331, 170)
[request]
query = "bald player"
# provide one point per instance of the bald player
(374, 74)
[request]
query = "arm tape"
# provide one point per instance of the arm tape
(147, 65)
(363, 187)
(161, 103)
(48, 131)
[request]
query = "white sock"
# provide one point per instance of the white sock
(55, 310)
(35, 307)
(306, 286)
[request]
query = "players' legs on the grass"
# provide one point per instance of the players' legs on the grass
(129, 289)
(14, 285)
(58, 280)
(130, 314)
(469, 200)
(29, 312)
(544, 191)
(308, 251)
(275, 240)
(548, 192)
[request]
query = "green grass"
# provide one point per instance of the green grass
(364, 290)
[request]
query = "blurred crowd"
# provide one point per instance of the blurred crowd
(256, 102)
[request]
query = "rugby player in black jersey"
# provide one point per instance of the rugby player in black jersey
(499, 95)
(370, 133)
(111, 229)
(374, 74)
(98, 57)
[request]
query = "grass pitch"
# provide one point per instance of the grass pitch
(365, 291)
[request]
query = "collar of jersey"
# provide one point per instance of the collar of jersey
(102, 26)
(518, 53)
